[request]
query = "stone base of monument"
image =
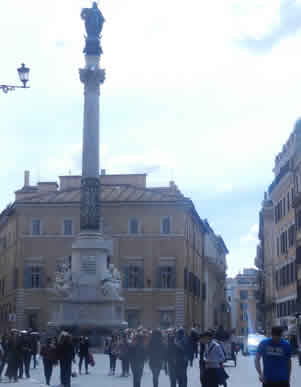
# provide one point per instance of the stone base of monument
(87, 293)
(70, 313)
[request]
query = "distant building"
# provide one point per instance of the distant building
(242, 293)
(160, 245)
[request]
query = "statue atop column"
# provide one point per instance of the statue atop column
(94, 21)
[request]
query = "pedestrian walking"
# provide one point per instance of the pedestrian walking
(137, 356)
(212, 372)
(12, 357)
(49, 356)
(275, 353)
(3, 354)
(183, 352)
(156, 353)
(83, 352)
(124, 355)
(171, 357)
(113, 353)
(27, 352)
(65, 354)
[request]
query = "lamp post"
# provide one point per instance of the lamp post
(23, 72)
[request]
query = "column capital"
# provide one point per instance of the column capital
(92, 77)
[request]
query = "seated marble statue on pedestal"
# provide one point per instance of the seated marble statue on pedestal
(109, 287)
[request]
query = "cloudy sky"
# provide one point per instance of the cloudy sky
(204, 93)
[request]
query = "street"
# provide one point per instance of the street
(242, 376)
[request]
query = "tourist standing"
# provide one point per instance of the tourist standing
(83, 352)
(65, 354)
(276, 355)
(49, 355)
(156, 353)
(137, 356)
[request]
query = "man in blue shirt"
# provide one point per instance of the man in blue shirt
(276, 356)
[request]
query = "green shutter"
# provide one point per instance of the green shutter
(42, 277)
(173, 277)
(125, 278)
(159, 285)
(27, 277)
(141, 277)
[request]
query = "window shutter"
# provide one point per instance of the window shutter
(185, 278)
(27, 277)
(204, 291)
(42, 277)
(159, 271)
(298, 255)
(125, 279)
(141, 277)
(173, 277)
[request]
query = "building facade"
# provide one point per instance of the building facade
(243, 293)
(158, 246)
(279, 231)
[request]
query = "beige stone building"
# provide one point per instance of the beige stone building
(276, 253)
(158, 245)
(243, 293)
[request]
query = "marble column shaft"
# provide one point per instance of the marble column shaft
(92, 77)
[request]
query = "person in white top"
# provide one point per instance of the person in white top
(213, 357)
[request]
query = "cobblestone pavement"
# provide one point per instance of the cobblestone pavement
(242, 376)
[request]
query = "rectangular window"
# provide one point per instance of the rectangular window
(166, 225)
(288, 202)
(68, 227)
(166, 277)
(276, 219)
(33, 277)
(167, 319)
(243, 294)
(36, 227)
(133, 276)
(284, 206)
(278, 250)
(133, 226)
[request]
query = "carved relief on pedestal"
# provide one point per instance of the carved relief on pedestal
(89, 204)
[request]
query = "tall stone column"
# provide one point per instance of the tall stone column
(92, 77)
(90, 295)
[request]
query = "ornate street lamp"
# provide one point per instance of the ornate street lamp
(23, 72)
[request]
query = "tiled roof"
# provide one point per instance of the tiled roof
(108, 193)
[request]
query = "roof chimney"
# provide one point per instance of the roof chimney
(26, 178)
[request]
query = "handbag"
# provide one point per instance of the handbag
(91, 360)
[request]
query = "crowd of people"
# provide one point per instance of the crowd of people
(19, 350)
(171, 351)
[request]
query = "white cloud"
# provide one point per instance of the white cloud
(251, 237)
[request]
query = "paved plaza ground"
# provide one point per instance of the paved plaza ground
(242, 376)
